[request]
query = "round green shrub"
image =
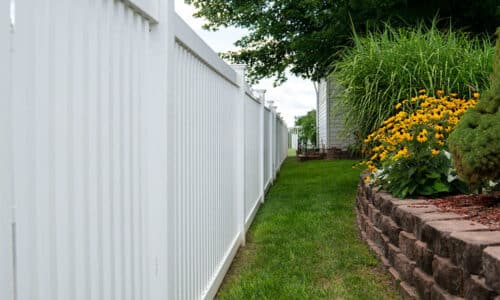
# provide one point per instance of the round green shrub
(475, 143)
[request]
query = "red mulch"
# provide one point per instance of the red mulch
(483, 208)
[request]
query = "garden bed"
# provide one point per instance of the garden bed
(484, 209)
(430, 253)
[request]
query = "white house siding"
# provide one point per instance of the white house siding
(338, 137)
(331, 131)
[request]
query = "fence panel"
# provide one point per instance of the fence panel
(282, 142)
(267, 148)
(77, 149)
(279, 140)
(252, 158)
(206, 218)
(6, 203)
(117, 182)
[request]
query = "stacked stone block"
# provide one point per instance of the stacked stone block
(430, 254)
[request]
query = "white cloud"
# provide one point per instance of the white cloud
(293, 98)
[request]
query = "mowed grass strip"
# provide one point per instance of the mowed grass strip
(304, 244)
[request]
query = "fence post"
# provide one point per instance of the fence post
(262, 98)
(280, 136)
(240, 152)
(6, 200)
(275, 140)
(270, 141)
(158, 170)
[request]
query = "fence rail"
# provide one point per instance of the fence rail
(133, 158)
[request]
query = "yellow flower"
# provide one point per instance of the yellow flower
(453, 120)
(407, 136)
(383, 155)
(401, 153)
(422, 91)
(432, 118)
(476, 95)
(438, 135)
(422, 136)
(401, 115)
(420, 118)
(367, 179)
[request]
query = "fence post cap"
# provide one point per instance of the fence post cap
(239, 67)
(260, 92)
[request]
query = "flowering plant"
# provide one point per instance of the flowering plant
(408, 153)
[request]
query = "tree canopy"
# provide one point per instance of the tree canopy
(307, 125)
(306, 36)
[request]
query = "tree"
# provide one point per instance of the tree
(307, 124)
(475, 143)
(306, 36)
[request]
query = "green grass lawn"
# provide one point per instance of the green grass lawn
(292, 152)
(303, 243)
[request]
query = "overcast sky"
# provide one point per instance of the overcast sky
(293, 98)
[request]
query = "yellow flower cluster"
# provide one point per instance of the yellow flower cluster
(421, 124)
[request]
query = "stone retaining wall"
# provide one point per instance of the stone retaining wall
(430, 254)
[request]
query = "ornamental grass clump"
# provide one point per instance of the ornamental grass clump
(475, 144)
(385, 67)
(408, 153)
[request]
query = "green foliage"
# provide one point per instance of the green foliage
(475, 143)
(305, 36)
(421, 174)
(307, 125)
(385, 67)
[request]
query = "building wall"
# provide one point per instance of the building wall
(338, 137)
(331, 132)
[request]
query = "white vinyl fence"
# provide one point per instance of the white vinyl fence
(132, 158)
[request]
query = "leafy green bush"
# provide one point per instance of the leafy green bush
(385, 67)
(475, 143)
